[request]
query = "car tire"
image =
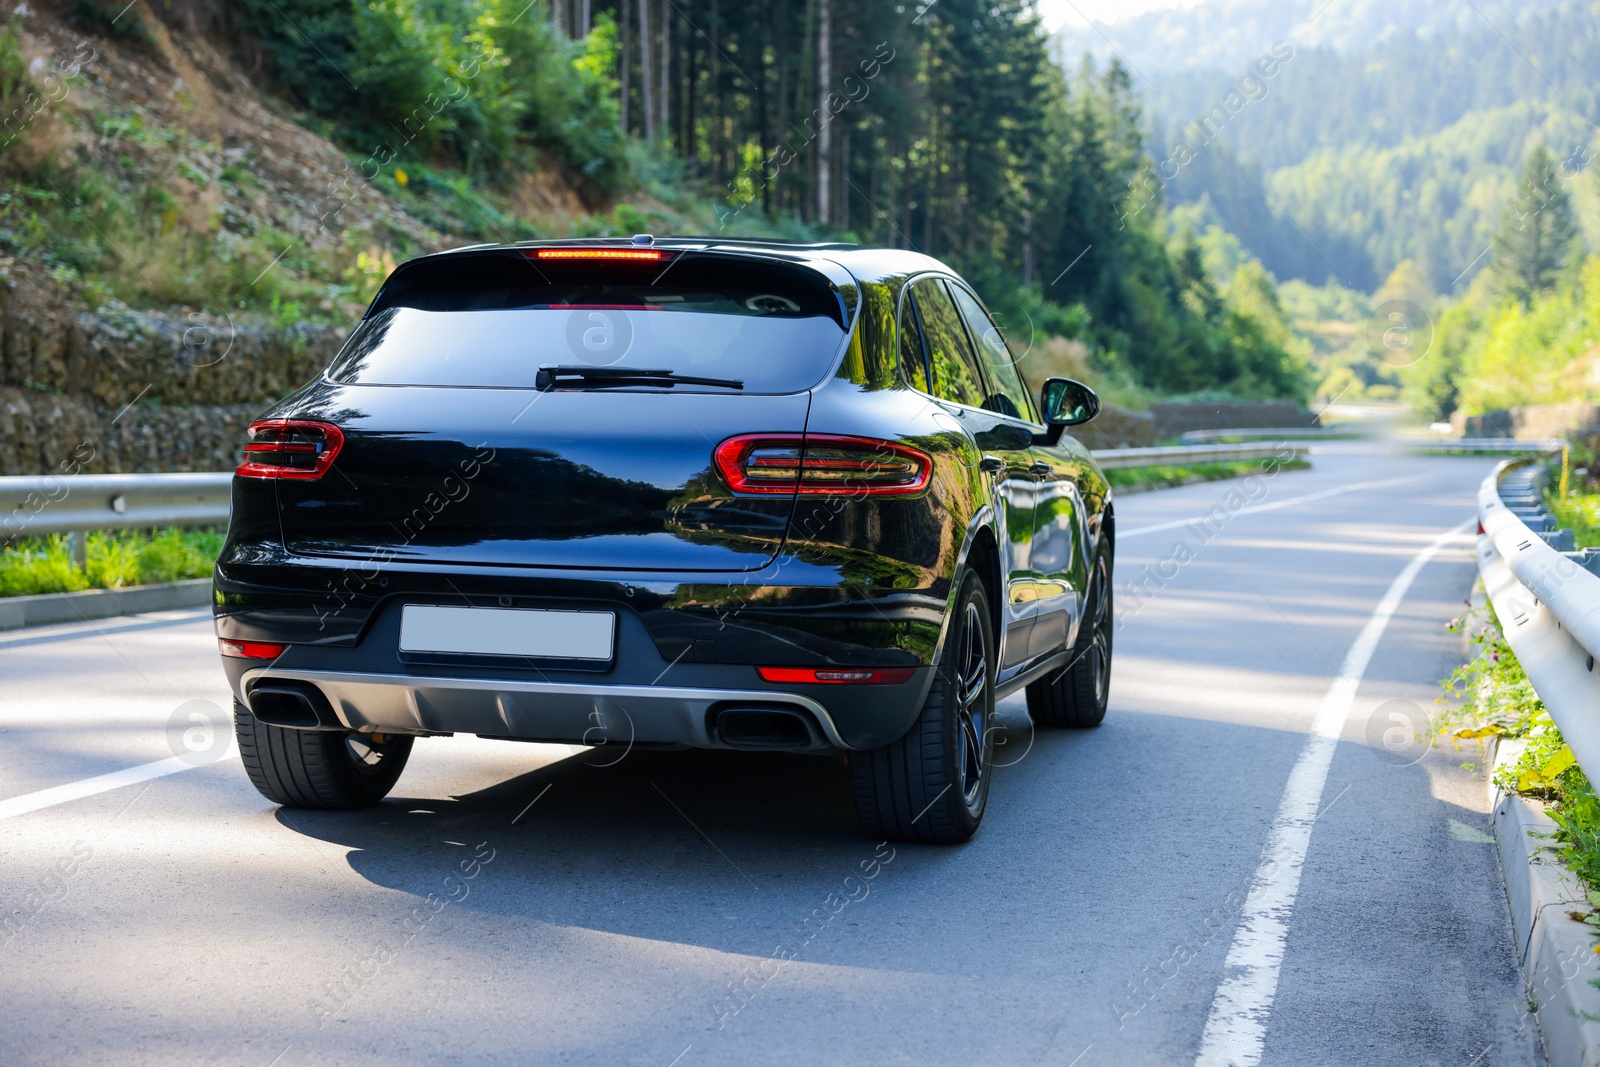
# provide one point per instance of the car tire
(932, 785)
(1076, 695)
(318, 768)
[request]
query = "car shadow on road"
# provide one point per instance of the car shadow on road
(625, 844)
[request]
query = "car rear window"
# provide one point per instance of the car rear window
(494, 320)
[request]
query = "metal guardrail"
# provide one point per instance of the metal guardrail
(1283, 433)
(1486, 445)
(36, 506)
(39, 506)
(1548, 603)
(1180, 455)
(1415, 442)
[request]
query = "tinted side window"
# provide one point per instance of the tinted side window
(955, 369)
(913, 357)
(1011, 395)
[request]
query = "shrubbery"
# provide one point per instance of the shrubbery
(115, 561)
(489, 86)
(1526, 331)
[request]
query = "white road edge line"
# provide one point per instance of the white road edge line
(1236, 1028)
(1256, 509)
(122, 624)
(88, 787)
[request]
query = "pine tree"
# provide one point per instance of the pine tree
(938, 125)
(1537, 230)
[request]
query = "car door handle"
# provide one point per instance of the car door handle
(991, 464)
(1042, 467)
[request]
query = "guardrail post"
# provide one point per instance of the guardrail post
(78, 549)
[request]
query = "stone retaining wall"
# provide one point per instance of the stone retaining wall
(1115, 427)
(146, 392)
(1573, 420)
(1173, 420)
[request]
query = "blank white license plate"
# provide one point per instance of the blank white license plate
(586, 635)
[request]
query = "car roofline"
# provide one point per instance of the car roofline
(841, 255)
(674, 241)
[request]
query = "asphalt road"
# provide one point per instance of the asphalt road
(525, 904)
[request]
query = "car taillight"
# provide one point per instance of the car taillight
(249, 649)
(290, 448)
(815, 464)
(836, 675)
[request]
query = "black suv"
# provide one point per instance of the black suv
(721, 494)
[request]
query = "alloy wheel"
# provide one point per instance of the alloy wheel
(367, 752)
(1101, 621)
(972, 715)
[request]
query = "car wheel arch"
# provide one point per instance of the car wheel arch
(981, 554)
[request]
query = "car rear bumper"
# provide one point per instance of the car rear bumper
(563, 712)
(687, 649)
(583, 712)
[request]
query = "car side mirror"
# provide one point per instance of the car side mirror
(1066, 403)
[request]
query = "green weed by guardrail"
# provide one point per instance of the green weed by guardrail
(114, 561)
(1491, 696)
(1574, 501)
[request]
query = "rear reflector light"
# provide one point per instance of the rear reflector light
(817, 464)
(634, 254)
(290, 448)
(250, 649)
(836, 675)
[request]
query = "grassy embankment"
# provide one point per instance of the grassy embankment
(1124, 477)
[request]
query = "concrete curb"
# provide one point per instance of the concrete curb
(18, 612)
(1555, 951)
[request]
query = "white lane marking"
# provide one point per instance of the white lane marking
(1256, 509)
(62, 794)
(1237, 1026)
(37, 635)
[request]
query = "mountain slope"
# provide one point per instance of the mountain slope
(177, 251)
(1341, 162)
(1358, 211)
(1223, 34)
(1408, 85)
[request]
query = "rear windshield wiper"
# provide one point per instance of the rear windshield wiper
(553, 377)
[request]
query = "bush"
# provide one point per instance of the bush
(1514, 353)
(39, 567)
(116, 19)
(115, 561)
(1498, 700)
(487, 87)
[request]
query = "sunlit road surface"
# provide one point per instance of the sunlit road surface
(526, 904)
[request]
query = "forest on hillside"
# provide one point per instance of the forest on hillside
(942, 127)
(1374, 156)
(1349, 161)
(1528, 329)
(1223, 34)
